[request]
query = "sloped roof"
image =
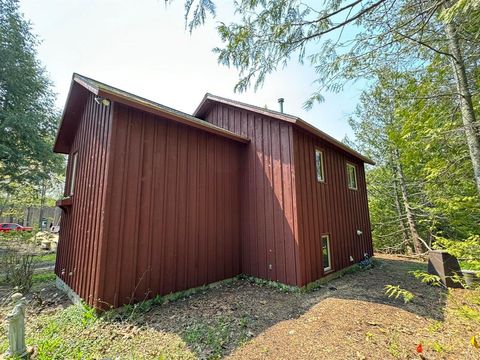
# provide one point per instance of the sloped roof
(81, 86)
(209, 99)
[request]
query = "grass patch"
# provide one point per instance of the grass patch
(46, 258)
(43, 277)
(209, 339)
(77, 333)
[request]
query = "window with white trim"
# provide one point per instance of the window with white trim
(319, 165)
(327, 262)
(352, 176)
(73, 172)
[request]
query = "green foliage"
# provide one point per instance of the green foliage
(28, 118)
(395, 292)
(399, 123)
(469, 313)
(43, 278)
(426, 278)
(269, 283)
(50, 340)
(210, 337)
(435, 326)
(466, 251)
(408, 119)
(47, 258)
(18, 269)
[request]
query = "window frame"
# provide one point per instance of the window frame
(322, 162)
(73, 173)
(354, 167)
(329, 253)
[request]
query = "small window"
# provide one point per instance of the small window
(352, 176)
(73, 172)
(327, 265)
(319, 165)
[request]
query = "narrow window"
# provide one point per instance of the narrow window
(327, 265)
(73, 172)
(352, 176)
(319, 165)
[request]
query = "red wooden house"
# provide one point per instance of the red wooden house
(158, 201)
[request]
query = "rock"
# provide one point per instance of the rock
(45, 244)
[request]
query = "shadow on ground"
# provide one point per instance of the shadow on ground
(216, 322)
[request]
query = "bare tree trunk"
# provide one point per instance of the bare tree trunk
(408, 211)
(398, 207)
(470, 123)
(43, 191)
(29, 216)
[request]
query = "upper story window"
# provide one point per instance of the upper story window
(319, 165)
(73, 172)
(352, 176)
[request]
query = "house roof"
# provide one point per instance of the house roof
(210, 99)
(81, 86)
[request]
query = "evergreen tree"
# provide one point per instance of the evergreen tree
(28, 119)
(348, 40)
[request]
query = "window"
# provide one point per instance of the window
(73, 172)
(352, 176)
(319, 165)
(327, 265)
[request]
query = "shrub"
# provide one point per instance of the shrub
(19, 270)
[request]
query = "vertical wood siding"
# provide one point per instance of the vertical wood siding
(173, 210)
(329, 208)
(269, 244)
(82, 225)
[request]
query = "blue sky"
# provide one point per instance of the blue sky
(142, 47)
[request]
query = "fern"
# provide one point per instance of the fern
(427, 278)
(396, 291)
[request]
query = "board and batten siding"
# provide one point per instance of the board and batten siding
(329, 207)
(173, 208)
(269, 243)
(81, 226)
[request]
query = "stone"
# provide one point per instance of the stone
(446, 266)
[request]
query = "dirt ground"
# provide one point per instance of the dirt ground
(348, 318)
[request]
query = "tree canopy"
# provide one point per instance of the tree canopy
(28, 118)
(419, 117)
(30, 172)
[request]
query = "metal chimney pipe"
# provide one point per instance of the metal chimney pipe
(281, 101)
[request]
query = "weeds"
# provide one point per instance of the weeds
(469, 313)
(435, 327)
(209, 339)
(273, 284)
(394, 347)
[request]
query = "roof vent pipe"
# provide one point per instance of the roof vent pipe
(280, 101)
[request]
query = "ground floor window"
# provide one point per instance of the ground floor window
(327, 265)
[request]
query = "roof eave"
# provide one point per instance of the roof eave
(199, 111)
(202, 107)
(58, 145)
(312, 129)
(199, 124)
(122, 97)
